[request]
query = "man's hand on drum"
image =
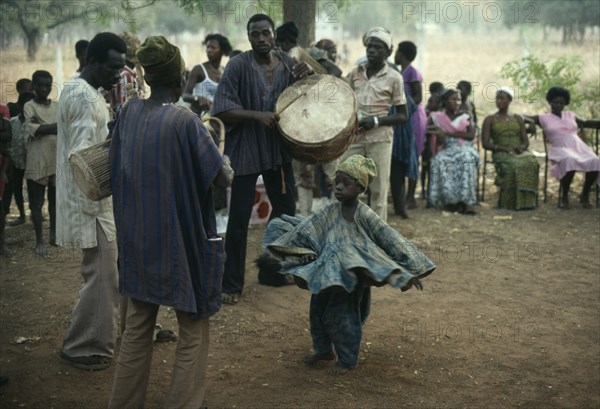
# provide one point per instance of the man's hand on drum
(267, 119)
(367, 123)
(301, 70)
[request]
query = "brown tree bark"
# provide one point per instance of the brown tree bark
(303, 12)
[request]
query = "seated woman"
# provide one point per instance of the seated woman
(454, 169)
(568, 153)
(517, 170)
(204, 78)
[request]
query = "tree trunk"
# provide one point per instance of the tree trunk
(304, 14)
(32, 37)
(581, 30)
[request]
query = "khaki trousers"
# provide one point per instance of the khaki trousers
(93, 325)
(381, 153)
(135, 358)
(304, 189)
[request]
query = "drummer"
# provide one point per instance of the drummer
(378, 87)
(245, 102)
(304, 173)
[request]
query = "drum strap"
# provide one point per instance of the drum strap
(278, 53)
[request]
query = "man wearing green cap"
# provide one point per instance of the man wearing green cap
(163, 164)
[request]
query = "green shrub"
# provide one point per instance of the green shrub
(532, 77)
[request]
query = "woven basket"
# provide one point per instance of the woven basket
(91, 170)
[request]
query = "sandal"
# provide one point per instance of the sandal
(230, 299)
(165, 335)
(86, 363)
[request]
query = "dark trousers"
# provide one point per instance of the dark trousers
(397, 183)
(14, 187)
(336, 319)
(243, 189)
(36, 202)
(2, 226)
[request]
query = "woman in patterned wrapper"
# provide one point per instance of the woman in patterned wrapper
(454, 169)
(517, 170)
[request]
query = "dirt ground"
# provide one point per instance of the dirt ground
(510, 318)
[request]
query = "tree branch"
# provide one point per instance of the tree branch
(65, 20)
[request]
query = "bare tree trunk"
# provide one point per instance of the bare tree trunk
(304, 14)
(581, 30)
(33, 38)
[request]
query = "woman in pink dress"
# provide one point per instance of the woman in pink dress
(568, 153)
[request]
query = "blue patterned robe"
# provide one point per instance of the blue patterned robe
(351, 256)
(368, 246)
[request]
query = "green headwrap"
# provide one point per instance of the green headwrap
(360, 168)
(161, 60)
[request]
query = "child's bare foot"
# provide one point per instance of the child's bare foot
(314, 358)
(337, 370)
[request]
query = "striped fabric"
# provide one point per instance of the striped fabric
(252, 147)
(162, 164)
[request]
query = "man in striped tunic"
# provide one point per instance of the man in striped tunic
(163, 163)
(245, 101)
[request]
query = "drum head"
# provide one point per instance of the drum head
(316, 109)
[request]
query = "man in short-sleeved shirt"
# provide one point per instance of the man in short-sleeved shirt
(378, 87)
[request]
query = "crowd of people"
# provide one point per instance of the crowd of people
(155, 242)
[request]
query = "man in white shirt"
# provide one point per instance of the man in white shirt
(378, 88)
(82, 223)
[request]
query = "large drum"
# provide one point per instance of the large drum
(317, 118)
